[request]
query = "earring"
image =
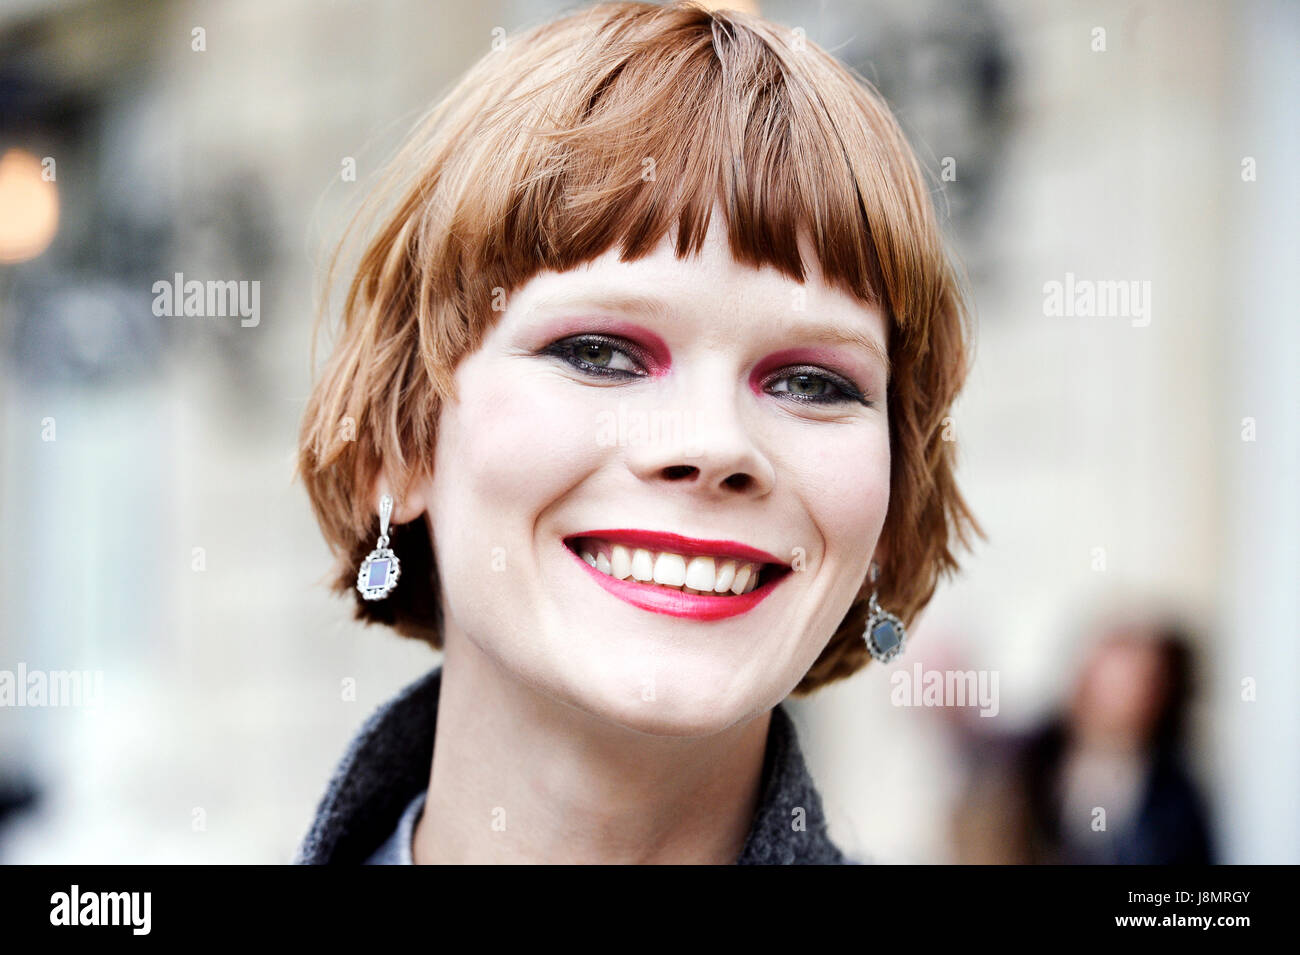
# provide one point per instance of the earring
(381, 568)
(885, 633)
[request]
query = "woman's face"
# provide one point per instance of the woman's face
(1122, 690)
(701, 398)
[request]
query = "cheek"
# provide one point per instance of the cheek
(508, 447)
(505, 451)
(843, 480)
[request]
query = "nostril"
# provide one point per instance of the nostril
(738, 481)
(677, 471)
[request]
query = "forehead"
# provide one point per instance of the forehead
(712, 279)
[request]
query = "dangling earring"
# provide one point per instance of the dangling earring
(885, 633)
(381, 568)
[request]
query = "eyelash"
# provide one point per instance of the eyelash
(565, 349)
(842, 385)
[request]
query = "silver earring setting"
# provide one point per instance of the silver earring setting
(885, 633)
(381, 568)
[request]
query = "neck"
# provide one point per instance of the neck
(521, 777)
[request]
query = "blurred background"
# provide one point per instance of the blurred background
(1133, 613)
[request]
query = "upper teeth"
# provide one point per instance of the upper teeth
(694, 575)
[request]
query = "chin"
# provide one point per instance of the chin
(686, 700)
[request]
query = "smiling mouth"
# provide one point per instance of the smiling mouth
(705, 575)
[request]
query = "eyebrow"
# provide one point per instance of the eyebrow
(838, 335)
(618, 301)
(650, 305)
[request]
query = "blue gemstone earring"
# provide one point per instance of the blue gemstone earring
(381, 568)
(885, 633)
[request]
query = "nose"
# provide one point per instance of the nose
(696, 436)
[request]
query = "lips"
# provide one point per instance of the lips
(677, 544)
(677, 575)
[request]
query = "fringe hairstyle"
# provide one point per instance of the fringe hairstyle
(535, 161)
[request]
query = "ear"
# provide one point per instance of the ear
(406, 508)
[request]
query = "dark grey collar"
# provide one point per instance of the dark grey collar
(388, 763)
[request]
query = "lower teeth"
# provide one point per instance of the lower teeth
(680, 588)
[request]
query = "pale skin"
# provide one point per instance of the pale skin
(574, 727)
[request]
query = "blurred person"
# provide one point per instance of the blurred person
(646, 361)
(1105, 781)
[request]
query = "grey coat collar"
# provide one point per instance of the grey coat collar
(388, 762)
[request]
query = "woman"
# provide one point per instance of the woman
(1105, 781)
(652, 352)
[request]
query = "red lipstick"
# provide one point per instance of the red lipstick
(678, 603)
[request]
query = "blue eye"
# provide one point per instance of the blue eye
(818, 386)
(597, 355)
